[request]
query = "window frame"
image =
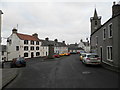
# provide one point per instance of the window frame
(26, 53)
(26, 42)
(104, 33)
(110, 30)
(26, 49)
(17, 48)
(109, 53)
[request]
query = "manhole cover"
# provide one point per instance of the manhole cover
(86, 72)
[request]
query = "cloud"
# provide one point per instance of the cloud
(64, 20)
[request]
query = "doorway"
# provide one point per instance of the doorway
(101, 53)
(32, 54)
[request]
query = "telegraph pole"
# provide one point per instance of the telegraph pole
(0, 35)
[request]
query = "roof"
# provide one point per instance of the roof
(27, 37)
(57, 44)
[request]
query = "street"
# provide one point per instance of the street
(63, 72)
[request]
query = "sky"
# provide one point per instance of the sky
(65, 20)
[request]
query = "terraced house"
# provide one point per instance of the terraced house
(105, 38)
(28, 46)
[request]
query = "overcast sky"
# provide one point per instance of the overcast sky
(67, 20)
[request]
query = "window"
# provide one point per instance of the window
(32, 42)
(95, 22)
(2, 52)
(17, 48)
(25, 54)
(109, 53)
(25, 41)
(37, 48)
(37, 42)
(25, 48)
(110, 30)
(37, 53)
(96, 40)
(104, 33)
(32, 48)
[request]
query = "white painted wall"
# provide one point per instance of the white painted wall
(15, 41)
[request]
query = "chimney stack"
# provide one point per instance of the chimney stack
(115, 9)
(35, 35)
(47, 39)
(14, 30)
(63, 42)
(56, 40)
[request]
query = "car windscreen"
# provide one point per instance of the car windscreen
(92, 56)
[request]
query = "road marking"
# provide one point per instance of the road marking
(86, 72)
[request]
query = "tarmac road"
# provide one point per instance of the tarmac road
(63, 72)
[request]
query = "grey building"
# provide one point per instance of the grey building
(104, 38)
(74, 48)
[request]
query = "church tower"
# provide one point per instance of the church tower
(95, 22)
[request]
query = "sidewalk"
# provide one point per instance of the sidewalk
(8, 74)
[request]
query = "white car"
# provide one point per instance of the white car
(91, 58)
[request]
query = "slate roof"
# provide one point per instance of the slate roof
(74, 47)
(57, 44)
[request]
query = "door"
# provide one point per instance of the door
(32, 54)
(101, 53)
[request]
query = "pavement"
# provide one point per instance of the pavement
(7, 74)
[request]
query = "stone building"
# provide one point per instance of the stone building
(104, 39)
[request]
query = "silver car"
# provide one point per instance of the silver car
(91, 58)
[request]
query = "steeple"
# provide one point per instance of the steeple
(95, 14)
(95, 22)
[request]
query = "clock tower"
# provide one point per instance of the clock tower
(95, 22)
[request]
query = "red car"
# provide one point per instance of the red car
(56, 56)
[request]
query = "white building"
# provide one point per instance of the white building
(84, 45)
(28, 46)
(22, 45)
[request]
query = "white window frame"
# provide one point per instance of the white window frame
(109, 31)
(104, 33)
(109, 52)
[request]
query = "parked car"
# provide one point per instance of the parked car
(73, 52)
(82, 55)
(18, 62)
(91, 58)
(56, 56)
(61, 54)
(67, 54)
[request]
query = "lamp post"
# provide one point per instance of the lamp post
(0, 36)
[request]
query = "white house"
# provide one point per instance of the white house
(22, 45)
(28, 46)
(84, 45)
